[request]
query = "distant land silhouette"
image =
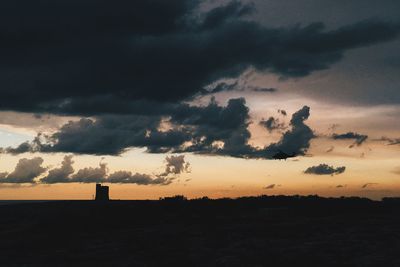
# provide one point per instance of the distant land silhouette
(175, 231)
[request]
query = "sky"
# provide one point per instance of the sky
(199, 98)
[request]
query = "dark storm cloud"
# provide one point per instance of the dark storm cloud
(234, 86)
(202, 125)
(272, 124)
(220, 15)
(22, 148)
(295, 141)
(324, 169)
(265, 90)
(221, 87)
(66, 56)
(359, 139)
(210, 129)
(229, 125)
(25, 171)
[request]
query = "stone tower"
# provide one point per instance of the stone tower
(102, 193)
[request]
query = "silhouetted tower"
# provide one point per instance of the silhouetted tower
(101, 193)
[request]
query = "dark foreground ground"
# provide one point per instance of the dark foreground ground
(264, 231)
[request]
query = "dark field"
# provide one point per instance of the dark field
(263, 231)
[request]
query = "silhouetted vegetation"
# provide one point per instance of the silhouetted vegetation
(177, 198)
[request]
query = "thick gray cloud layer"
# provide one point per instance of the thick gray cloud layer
(368, 76)
(90, 174)
(80, 57)
(194, 129)
(175, 165)
(25, 171)
(325, 169)
(60, 174)
(30, 170)
(126, 68)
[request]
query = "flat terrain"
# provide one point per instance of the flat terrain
(263, 231)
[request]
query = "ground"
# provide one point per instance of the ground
(261, 231)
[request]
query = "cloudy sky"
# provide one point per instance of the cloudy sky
(217, 98)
